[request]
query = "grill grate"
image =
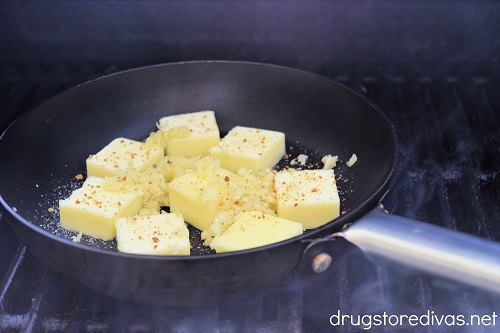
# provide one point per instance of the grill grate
(35, 298)
(447, 121)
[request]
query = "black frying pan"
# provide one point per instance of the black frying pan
(43, 150)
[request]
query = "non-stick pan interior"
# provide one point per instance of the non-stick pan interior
(42, 151)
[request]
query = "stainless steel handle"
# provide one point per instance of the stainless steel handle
(458, 256)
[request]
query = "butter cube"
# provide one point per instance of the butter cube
(254, 229)
(198, 195)
(161, 234)
(308, 196)
(93, 210)
(190, 134)
(121, 154)
(253, 148)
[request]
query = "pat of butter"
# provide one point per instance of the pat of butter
(308, 196)
(122, 154)
(199, 195)
(162, 234)
(254, 229)
(190, 134)
(93, 210)
(253, 148)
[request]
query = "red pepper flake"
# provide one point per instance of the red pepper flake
(155, 165)
(155, 247)
(77, 202)
(237, 202)
(119, 203)
(314, 190)
(155, 239)
(295, 205)
(226, 179)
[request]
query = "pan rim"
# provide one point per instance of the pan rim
(366, 205)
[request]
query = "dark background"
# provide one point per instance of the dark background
(319, 36)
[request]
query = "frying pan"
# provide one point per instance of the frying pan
(43, 150)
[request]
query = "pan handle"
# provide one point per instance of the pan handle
(454, 255)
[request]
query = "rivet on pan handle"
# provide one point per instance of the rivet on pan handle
(320, 255)
(321, 262)
(454, 255)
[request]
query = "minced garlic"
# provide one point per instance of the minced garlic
(301, 159)
(329, 161)
(77, 238)
(248, 191)
(352, 160)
